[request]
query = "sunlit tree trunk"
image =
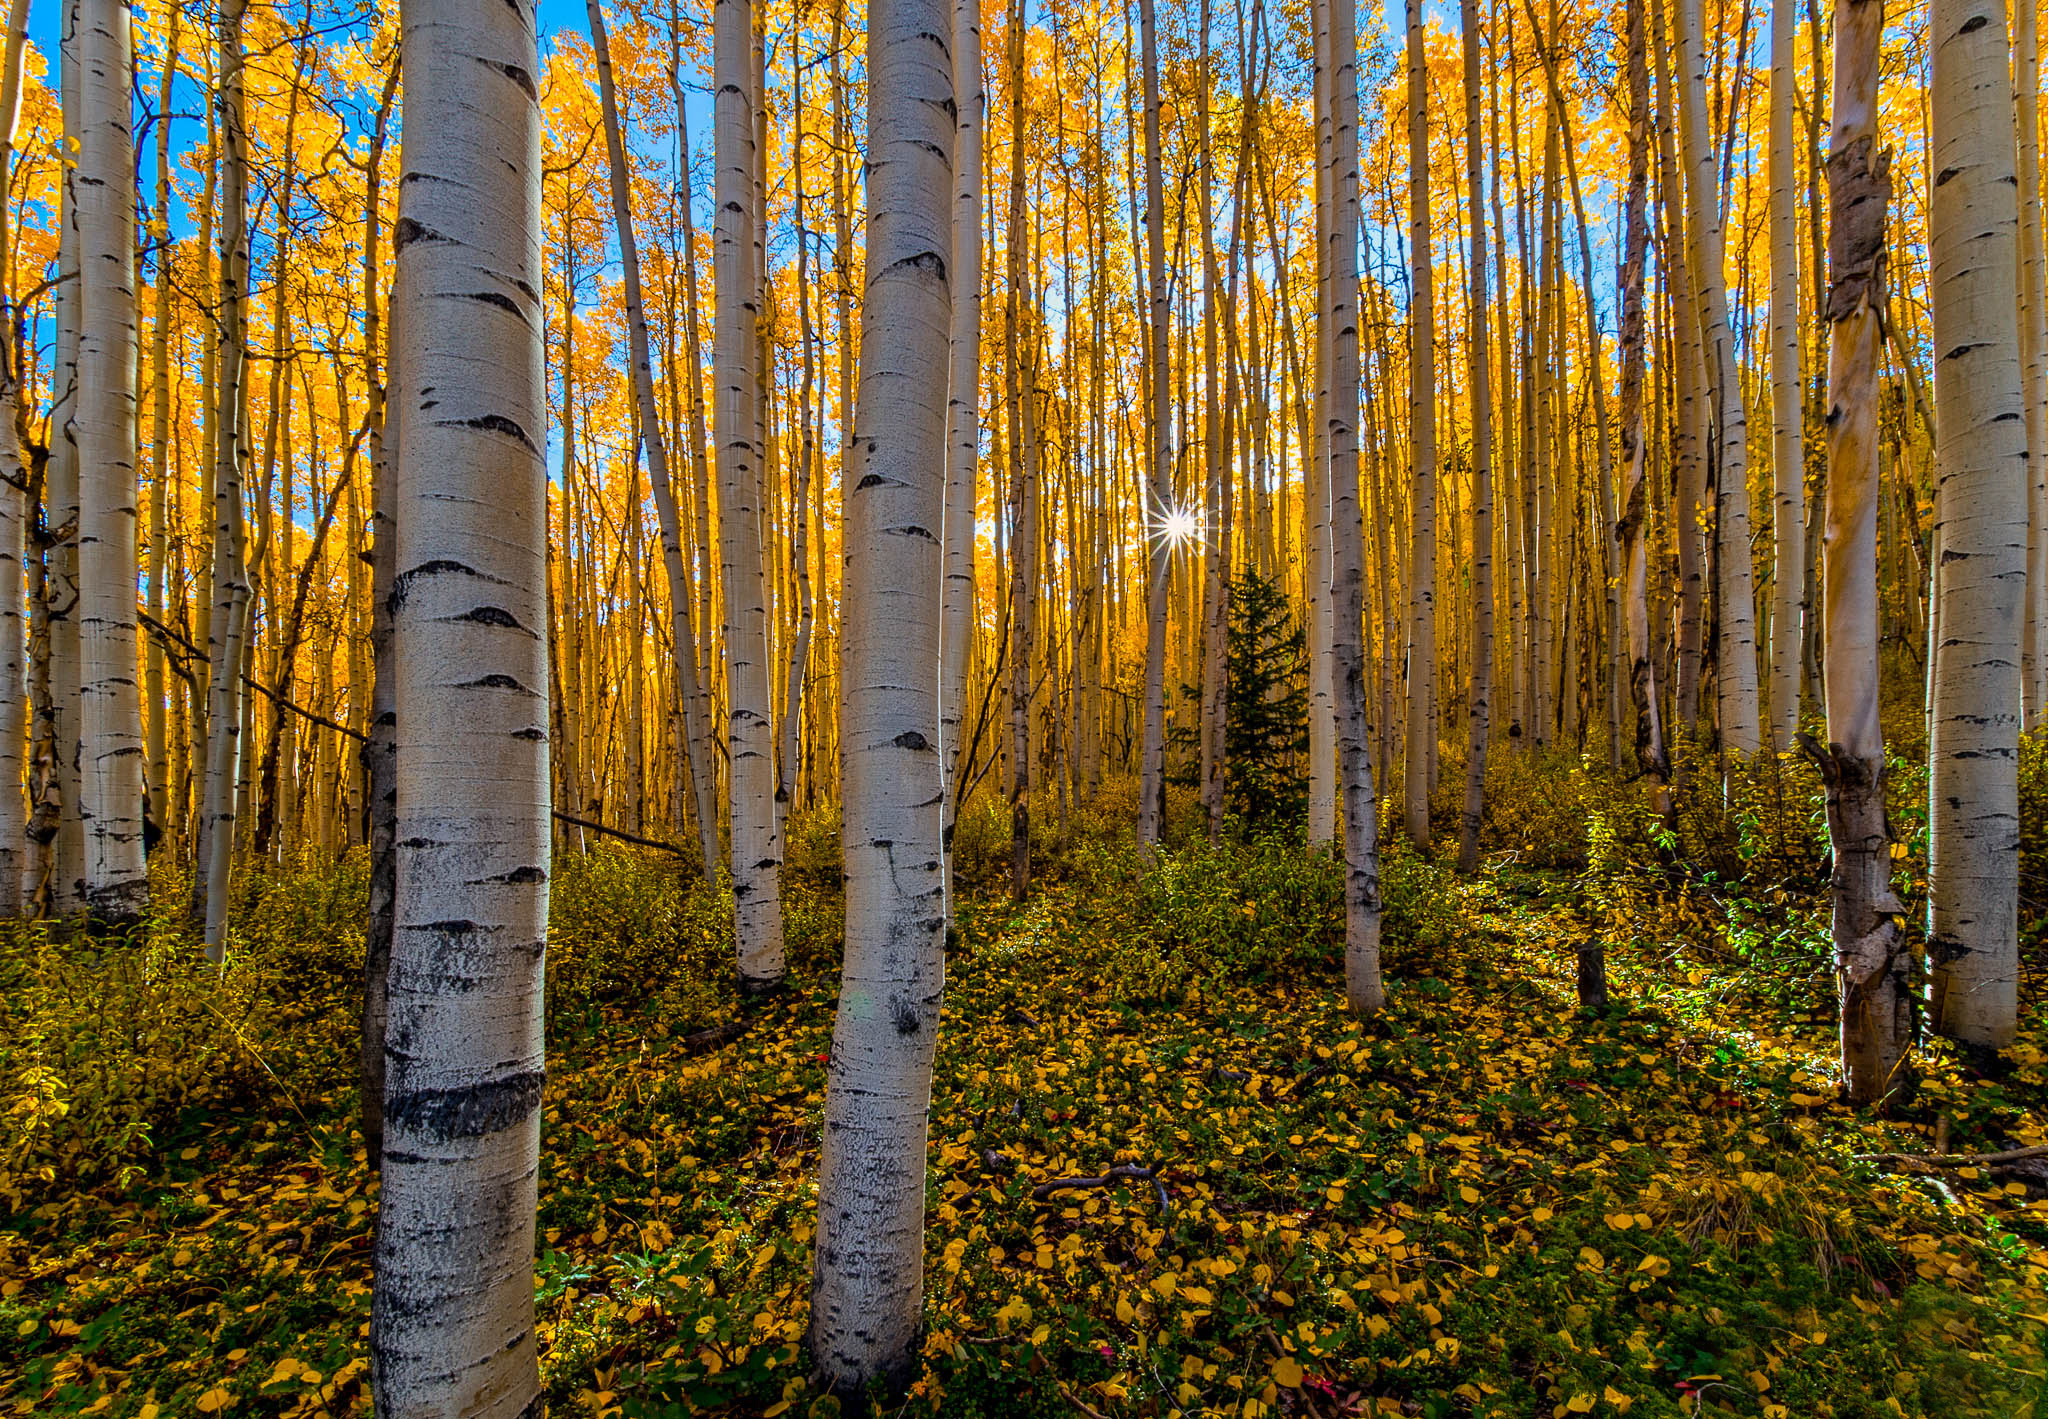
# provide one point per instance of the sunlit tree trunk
(1020, 373)
(1735, 644)
(1788, 450)
(683, 635)
(2033, 359)
(451, 1322)
(1869, 962)
(66, 890)
(756, 830)
(1480, 393)
(963, 412)
(1362, 987)
(1981, 521)
(1688, 453)
(867, 1308)
(154, 689)
(1159, 468)
(1421, 441)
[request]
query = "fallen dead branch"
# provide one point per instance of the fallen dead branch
(1122, 1172)
(716, 1036)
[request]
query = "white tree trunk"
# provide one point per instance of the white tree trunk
(61, 498)
(1981, 516)
(1362, 987)
(13, 678)
(1159, 469)
(1788, 444)
(1421, 448)
(1868, 945)
(1734, 582)
(963, 411)
(750, 730)
(867, 1308)
(1481, 394)
(110, 702)
(2033, 359)
(451, 1327)
(682, 635)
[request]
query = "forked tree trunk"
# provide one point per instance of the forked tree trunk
(1481, 395)
(1788, 442)
(1159, 468)
(451, 1321)
(1421, 439)
(1362, 986)
(682, 635)
(1870, 960)
(963, 412)
(867, 1292)
(756, 828)
(1981, 521)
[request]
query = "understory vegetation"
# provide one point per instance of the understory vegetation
(1486, 1202)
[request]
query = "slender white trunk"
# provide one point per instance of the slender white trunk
(1788, 445)
(110, 701)
(1421, 448)
(2033, 358)
(60, 499)
(1735, 646)
(867, 1292)
(682, 635)
(13, 680)
(1322, 705)
(1481, 395)
(750, 731)
(1362, 987)
(1981, 517)
(451, 1324)
(1159, 470)
(963, 409)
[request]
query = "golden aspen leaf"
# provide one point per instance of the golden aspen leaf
(1580, 1404)
(213, 1401)
(1541, 1214)
(1288, 1372)
(1039, 1332)
(1468, 1194)
(1615, 1397)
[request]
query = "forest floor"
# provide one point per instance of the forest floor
(1486, 1202)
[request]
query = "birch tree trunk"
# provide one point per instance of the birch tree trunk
(867, 1308)
(1421, 446)
(1981, 520)
(683, 638)
(963, 413)
(1481, 394)
(451, 1325)
(1735, 645)
(1788, 441)
(2033, 360)
(110, 701)
(1362, 986)
(1870, 964)
(756, 829)
(1159, 469)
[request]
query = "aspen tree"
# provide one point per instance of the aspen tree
(867, 1288)
(66, 884)
(2033, 359)
(1479, 389)
(755, 825)
(963, 412)
(1788, 450)
(1870, 968)
(451, 1323)
(1362, 986)
(1981, 519)
(1020, 374)
(15, 512)
(1421, 448)
(1735, 645)
(1159, 467)
(682, 635)
(153, 686)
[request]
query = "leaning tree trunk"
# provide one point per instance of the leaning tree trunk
(1481, 395)
(1981, 520)
(750, 732)
(1788, 450)
(451, 1322)
(963, 412)
(1362, 987)
(683, 639)
(1870, 962)
(1735, 646)
(1159, 468)
(867, 1291)
(1421, 439)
